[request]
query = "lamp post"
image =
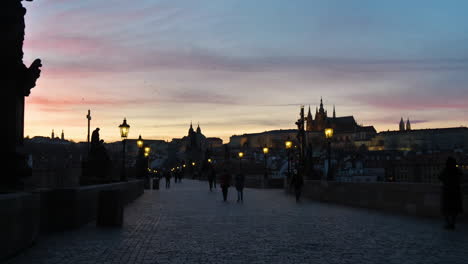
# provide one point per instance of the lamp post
(241, 155)
(124, 128)
(265, 152)
(328, 136)
(140, 159)
(139, 142)
(147, 154)
(288, 144)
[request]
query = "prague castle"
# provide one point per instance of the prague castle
(346, 131)
(348, 134)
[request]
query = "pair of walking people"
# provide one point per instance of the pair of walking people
(225, 183)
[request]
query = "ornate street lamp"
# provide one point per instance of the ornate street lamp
(329, 136)
(124, 129)
(141, 157)
(241, 155)
(147, 150)
(265, 152)
(288, 144)
(139, 142)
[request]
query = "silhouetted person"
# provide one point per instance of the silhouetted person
(225, 182)
(297, 182)
(240, 181)
(451, 192)
(211, 178)
(167, 175)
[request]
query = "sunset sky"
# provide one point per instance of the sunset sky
(243, 66)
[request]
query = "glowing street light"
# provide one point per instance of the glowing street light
(139, 142)
(328, 133)
(265, 152)
(329, 136)
(241, 155)
(288, 144)
(124, 129)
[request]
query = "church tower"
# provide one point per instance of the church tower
(190, 131)
(53, 135)
(320, 117)
(408, 124)
(62, 136)
(309, 120)
(402, 125)
(334, 113)
(198, 129)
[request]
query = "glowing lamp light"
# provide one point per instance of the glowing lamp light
(183, 165)
(328, 133)
(288, 144)
(140, 142)
(147, 150)
(124, 128)
(209, 161)
(265, 150)
(193, 164)
(146, 154)
(241, 154)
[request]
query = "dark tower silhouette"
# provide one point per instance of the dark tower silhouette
(52, 135)
(402, 125)
(62, 136)
(17, 81)
(309, 120)
(408, 124)
(334, 112)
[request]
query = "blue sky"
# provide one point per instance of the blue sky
(244, 66)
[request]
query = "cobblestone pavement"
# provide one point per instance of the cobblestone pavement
(189, 224)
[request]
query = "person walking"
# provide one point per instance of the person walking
(211, 178)
(225, 182)
(240, 181)
(167, 175)
(451, 200)
(297, 182)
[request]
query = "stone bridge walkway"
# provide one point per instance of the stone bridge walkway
(188, 224)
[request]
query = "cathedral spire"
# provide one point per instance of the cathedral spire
(62, 136)
(408, 124)
(53, 134)
(334, 112)
(402, 124)
(309, 113)
(191, 128)
(198, 128)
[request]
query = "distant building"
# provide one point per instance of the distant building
(347, 133)
(437, 139)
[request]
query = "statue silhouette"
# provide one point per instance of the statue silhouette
(17, 80)
(97, 167)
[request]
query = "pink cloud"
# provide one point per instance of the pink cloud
(68, 102)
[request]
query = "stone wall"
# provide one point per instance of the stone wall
(407, 198)
(25, 215)
(19, 222)
(68, 208)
